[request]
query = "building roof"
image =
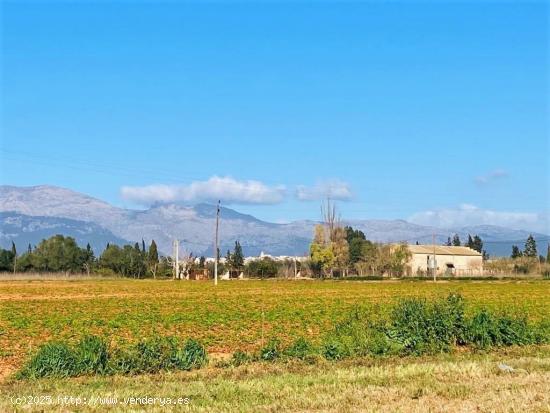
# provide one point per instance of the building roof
(442, 250)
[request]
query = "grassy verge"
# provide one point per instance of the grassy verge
(470, 381)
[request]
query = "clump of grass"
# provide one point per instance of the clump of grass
(191, 356)
(301, 349)
(92, 356)
(52, 360)
(272, 350)
(152, 356)
(239, 358)
(334, 350)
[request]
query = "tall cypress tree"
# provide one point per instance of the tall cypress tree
(470, 243)
(456, 240)
(530, 247)
(516, 253)
(153, 258)
(238, 258)
(548, 254)
(477, 243)
(448, 243)
(229, 260)
(14, 255)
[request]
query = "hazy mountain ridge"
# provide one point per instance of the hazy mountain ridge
(25, 230)
(42, 211)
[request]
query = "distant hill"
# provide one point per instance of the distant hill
(32, 213)
(25, 230)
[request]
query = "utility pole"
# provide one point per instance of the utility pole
(434, 265)
(176, 259)
(216, 255)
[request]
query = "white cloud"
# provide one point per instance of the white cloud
(491, 177)
(466, 215)
(226, 189)
(334, 188)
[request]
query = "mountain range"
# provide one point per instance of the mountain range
(29, 214)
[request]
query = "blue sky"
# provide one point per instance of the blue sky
(435, 112)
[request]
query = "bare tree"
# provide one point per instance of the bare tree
(330, 217)
(336, 235)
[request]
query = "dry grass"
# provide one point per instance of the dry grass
(452, 383)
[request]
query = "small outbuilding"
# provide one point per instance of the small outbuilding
(450, 260)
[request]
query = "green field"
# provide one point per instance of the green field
(243, 315)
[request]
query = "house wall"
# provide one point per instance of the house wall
(464, 265)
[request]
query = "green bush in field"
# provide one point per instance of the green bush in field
(379, 343)
(191, 356)
(300, 349)
(423, 327)
(350, 337)
(51, 360)
(487, 330)
(152, 356)
(124, 361)
(515, 331)
(148, 356)
(334, 350)
(483, 330)
(239, 358)
(272, 351)
(92, 355)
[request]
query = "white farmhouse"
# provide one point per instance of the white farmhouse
(451, 261)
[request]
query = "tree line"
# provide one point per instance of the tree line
(335, 251)
(62, 254)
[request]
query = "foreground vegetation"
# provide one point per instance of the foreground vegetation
(458, 382)
(413, 327)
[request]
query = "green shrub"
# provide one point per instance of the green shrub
(154, 355)
(350, 337)
(300, 349)
(52, 360)
(92, 355)
(422, 327)
(380, 344)
(239, 358)
(515, 331)
(334, 350)
(487, 329)
(541, 332)
(124, 361)
(151, 356)
(483, 330)
(191, 356)
(272, 351)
